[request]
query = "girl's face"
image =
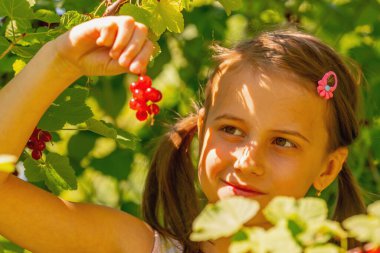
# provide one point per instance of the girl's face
(264, 136)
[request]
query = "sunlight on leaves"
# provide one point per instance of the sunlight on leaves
(234, 212)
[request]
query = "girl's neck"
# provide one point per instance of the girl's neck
(220, 245)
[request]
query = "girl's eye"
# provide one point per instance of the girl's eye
(283, 142)
(232, 130)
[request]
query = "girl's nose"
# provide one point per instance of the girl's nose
(247, 160)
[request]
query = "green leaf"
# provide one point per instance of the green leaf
(7, 163)
(69, 107)
(321, 232)
(111, 94)
(223, 218)
(279, 239)
(165, 14)
(18, 65)
(186, 4)
(17, 28)
(328, 248)
(16, 9)
(31, 2)
(4, 44)
(100, 127)
(312, 209)
(364, 228)
(81, 144)
(73, 18)
(40, 36)
(26, 51)
(47, 16)
(374, 209)
(34, 170)
(280, 208)
(139, 14)
(231, 5)
(59, 174)
(126, 139)
(253, 241)
(117, 164)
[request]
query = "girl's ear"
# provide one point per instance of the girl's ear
(331, 169)
(200, 125)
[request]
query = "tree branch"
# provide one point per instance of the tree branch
(113, 8)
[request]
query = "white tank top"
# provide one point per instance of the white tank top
(166, 245)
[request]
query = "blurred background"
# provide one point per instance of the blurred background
(114, 176)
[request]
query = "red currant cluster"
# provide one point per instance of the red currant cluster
(367, 249)
(37, 141)
(142, 93)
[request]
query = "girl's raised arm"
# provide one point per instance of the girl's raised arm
(29, 216)
(105, 46)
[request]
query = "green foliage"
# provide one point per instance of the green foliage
(366, 228)
(94, 130)
(16, 9)
(55, 171)
(223, 218)
(309, 215)
(69, 107)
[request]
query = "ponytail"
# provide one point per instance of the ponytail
(350, 201)
(170, 202)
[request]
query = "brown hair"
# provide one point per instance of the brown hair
(170, 193)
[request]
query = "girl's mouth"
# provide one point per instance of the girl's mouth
(242, 190)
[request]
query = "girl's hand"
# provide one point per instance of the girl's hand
(106, 46)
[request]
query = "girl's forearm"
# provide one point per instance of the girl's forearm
(28, 95)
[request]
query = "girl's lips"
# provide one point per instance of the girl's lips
(242, 190)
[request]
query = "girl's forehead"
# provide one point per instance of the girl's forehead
(270, 97)
(244, 81)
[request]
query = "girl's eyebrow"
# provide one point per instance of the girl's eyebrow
(282, 131)
(229, 116)
(291, 132)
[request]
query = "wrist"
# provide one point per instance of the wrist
(63, 70)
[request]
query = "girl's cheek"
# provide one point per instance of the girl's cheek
(290, 177)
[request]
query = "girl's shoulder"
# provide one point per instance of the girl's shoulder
(166, 245)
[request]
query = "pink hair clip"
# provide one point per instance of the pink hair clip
(325, 90)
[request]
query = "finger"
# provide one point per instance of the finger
(124, 34)
(134, 46)
(107, 35)
(140, 62)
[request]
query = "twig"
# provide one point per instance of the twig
(99, 6)
(113, 8)
(11, 46)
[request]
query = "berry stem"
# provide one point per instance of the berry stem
(75, 129)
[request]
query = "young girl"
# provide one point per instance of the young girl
(278, 117)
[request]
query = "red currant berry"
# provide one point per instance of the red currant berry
(36, 154)
(144, 82)
(139, 94)
(31, 144)
(153, 95)
(154, 109)
(141, 115)
(138, 105)
(133, 86)
(373, 250)
(45, 136)
(133, 103)
(36, 132)
(39, 145)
